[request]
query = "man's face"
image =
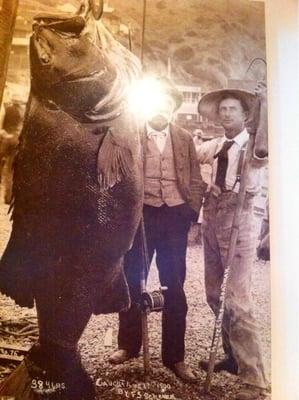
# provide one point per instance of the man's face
(162, 115)
(232, 117)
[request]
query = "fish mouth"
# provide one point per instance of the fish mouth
(64, 24)
(92, 75)
(43, 48)
(61, 25)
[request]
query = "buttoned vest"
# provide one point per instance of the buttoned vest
(160, 185)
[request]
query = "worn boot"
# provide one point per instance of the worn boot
(228, 364)
(120, 356)
(250, 392)
(183, 372)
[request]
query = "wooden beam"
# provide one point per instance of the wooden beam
(108, 338)
(8, 15)
(12, 352)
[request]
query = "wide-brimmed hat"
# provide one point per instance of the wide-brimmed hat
(209, 103)
(171, 90)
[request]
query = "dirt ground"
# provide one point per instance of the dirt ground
(127, 380)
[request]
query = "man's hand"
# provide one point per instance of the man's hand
(215, 190)
(188, 212)
(263, 249)
(261, 90)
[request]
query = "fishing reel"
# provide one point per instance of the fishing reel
(153, 301)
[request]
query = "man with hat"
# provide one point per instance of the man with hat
(226, 154)
(173, 192)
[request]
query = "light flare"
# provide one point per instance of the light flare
(146, 97)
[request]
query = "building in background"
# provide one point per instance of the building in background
(188, 117)
(187, 113)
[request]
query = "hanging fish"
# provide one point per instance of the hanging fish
(77, 193)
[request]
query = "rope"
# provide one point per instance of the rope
(252, 62)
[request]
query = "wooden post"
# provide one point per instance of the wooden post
(8, 13)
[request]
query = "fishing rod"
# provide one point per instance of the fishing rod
(150, 301)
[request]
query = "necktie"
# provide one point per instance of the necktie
(157, 134)
(222, 156)
(159, 138)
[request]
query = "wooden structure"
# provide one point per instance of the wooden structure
(8, 15)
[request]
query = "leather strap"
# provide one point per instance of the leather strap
(240, 165)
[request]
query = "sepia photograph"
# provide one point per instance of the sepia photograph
(134, 200)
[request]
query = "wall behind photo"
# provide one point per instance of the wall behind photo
(282, 28)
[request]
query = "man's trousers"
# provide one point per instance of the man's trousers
(166, 230)
(239, 331)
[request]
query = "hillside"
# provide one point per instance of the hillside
(207, 41)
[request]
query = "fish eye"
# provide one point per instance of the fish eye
(82, 9)
(45, 58)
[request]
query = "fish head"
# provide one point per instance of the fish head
(67, 62)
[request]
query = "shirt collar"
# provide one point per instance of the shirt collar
(240, 139)
(150, 130)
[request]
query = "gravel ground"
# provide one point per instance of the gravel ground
(127, 380)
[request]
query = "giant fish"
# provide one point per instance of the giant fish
(77, 191)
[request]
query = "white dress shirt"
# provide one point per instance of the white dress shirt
(207, 150)
(159, 137)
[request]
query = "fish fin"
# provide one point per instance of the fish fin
(114, 162)
(113, 296)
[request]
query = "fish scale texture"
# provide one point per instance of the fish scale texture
(70, 232)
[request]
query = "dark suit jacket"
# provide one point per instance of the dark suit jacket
(190, 182)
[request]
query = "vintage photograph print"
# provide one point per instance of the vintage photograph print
(134, 217)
